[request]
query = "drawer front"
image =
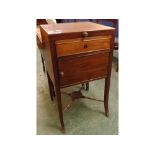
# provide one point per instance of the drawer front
(80, 69)
(80, 45)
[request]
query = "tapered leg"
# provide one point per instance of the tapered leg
(50, 86)
(106, 95)
(58, 97)
(87, 86)
(43, 64)
(56, 93)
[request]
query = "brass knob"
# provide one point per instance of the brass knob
(61, 74)
(85, 34)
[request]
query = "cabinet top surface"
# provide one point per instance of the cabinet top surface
(53, 29)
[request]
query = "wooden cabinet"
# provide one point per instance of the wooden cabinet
(77, 53)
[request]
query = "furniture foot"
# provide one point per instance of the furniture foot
(63, 130)
(58, 98)
(107, 114)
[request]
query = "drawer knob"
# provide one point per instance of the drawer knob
(85, 34)
(62, 74)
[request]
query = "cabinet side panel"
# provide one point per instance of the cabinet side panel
(47, 55)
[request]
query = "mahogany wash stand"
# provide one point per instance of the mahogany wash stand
(76, 53)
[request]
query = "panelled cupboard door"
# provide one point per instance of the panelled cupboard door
(83, 68)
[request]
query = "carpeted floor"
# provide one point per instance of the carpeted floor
(85, 117)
